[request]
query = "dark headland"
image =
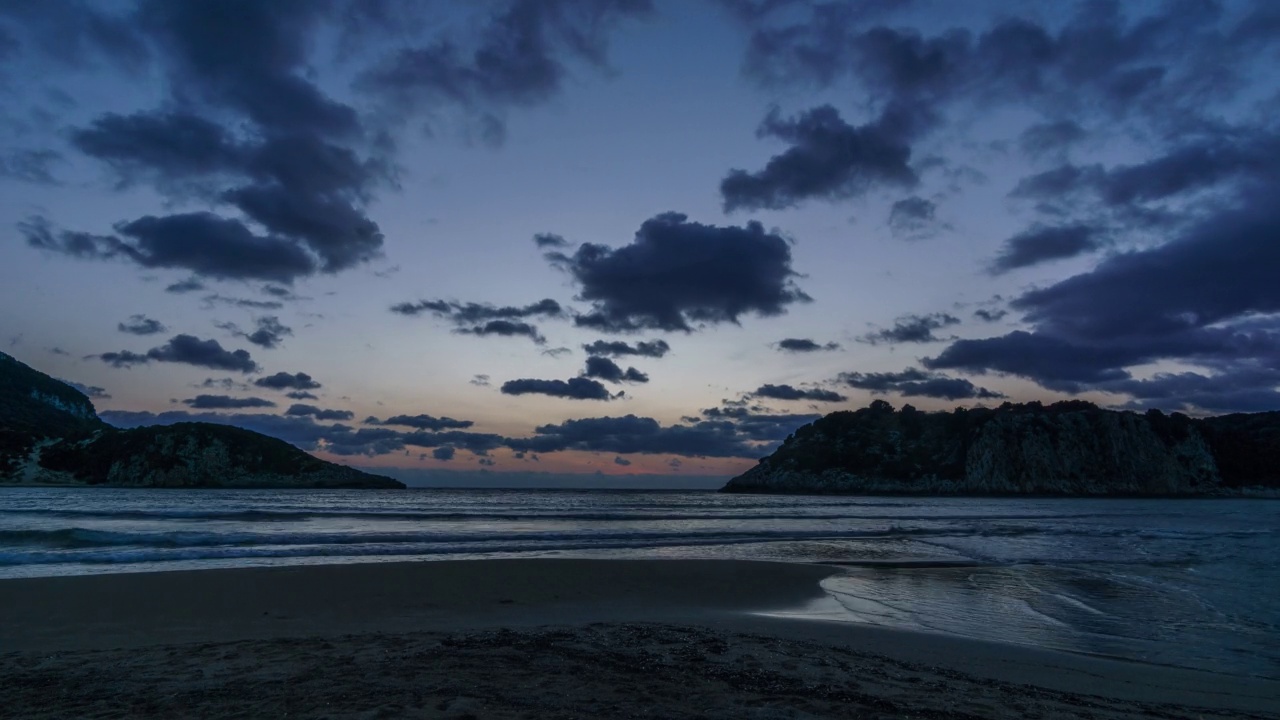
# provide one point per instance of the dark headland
(50, 434)
(1071, 448)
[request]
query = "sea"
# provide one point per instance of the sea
(1191, 583)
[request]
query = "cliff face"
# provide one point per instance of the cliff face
(1071, 448)
(51, 434)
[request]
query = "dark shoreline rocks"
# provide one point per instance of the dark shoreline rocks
(1071, 448)
(50, 434)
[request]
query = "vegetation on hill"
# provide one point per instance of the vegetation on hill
(1067, 448)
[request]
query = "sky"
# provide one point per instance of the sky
(640, 238)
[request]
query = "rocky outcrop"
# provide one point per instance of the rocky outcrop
(51, 434)
(1070, 448)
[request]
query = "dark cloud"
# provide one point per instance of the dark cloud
(809, 48)
(1054, 362)
(1206, 298)
(1248, 389)
(190, 350)
(913, 217)
(167, 147)
(141, 325)
(255, 65)
(618, 348)
(300, 395)
(318, 413)
(422, 422)
(286, 381)
(771, 428)
(444, 452)
(607, 370)
(519, 58)
(804, 345)
(32, 166)
(1049, 137)
(677, 272)
(185, 286)
(504, 328)
(469, 313)
(917, 383)
(211, 300)
(619, 460)
(787, 392)
(485, 319)
(550, 240)
(828, 159)
(222, 384)
(912, 329)
(1215, 161)
(1043, 244)
(578, 388)
(73, 33)
(283, 293)
(632, 434)
(473, 442)
(1172, 58)
(226, 402)
(90, 391)
(990, 315)
(204, 243)
(480, 380)
(248, 131)
(269, 333)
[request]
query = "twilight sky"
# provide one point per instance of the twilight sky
(635, 236)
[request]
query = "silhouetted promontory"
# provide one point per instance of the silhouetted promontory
(50, 434)
(1071, 448)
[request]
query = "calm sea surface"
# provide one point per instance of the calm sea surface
(1182, 582)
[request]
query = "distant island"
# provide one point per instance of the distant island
(1071, 448)
(50, 434)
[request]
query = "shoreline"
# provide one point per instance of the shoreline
(64, 626)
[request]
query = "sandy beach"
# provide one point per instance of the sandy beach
(536, 639)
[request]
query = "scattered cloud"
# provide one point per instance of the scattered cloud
(912, 329)
(185, 286)
(141, 325)
(805, 345)
(578, 388)
(618, 348)
(917, 383)
(605, 369)
(828, 159)
(422, 422)
(1043, 244)
(677, 273)
(226, 402)
(787, 392)
(186, 349)
(300, 409)
(269, 334)
(519, 57)
(287, 381)
(913, 218)
(549, 240)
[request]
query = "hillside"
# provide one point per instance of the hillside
(1069, 448)
(50, 434)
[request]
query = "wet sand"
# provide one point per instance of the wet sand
(535, 639)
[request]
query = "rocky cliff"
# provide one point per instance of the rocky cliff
(1069, 448)
(51, 434)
